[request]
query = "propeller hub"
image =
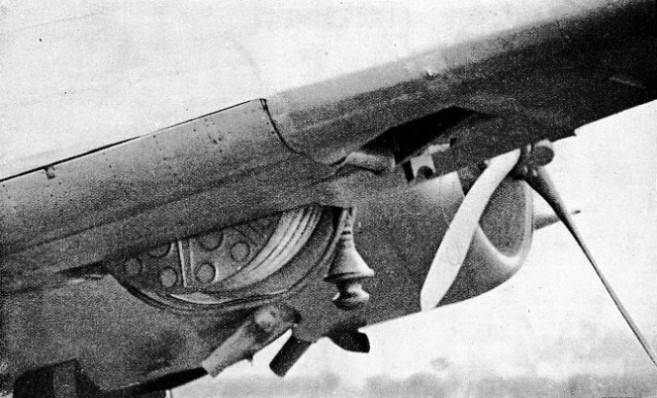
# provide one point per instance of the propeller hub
(532, 157)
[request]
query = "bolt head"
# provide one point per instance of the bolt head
(168, 278)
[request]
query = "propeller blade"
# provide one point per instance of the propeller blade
(454, 246)
(541, 182)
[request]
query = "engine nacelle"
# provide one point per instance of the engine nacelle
(406, 229)
(500, 245)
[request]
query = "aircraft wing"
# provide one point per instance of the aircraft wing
(540, 75)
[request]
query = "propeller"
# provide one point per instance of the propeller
(454, 247)
(540, 181)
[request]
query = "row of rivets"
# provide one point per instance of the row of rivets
(205, 273)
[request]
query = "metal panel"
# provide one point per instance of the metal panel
(561, 71)
(123, 180)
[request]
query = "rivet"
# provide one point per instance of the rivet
(50, 172)
(240, 251)
(205, 273)
(132, 267)
(211, 241)
(168, 277)
(160, 251)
